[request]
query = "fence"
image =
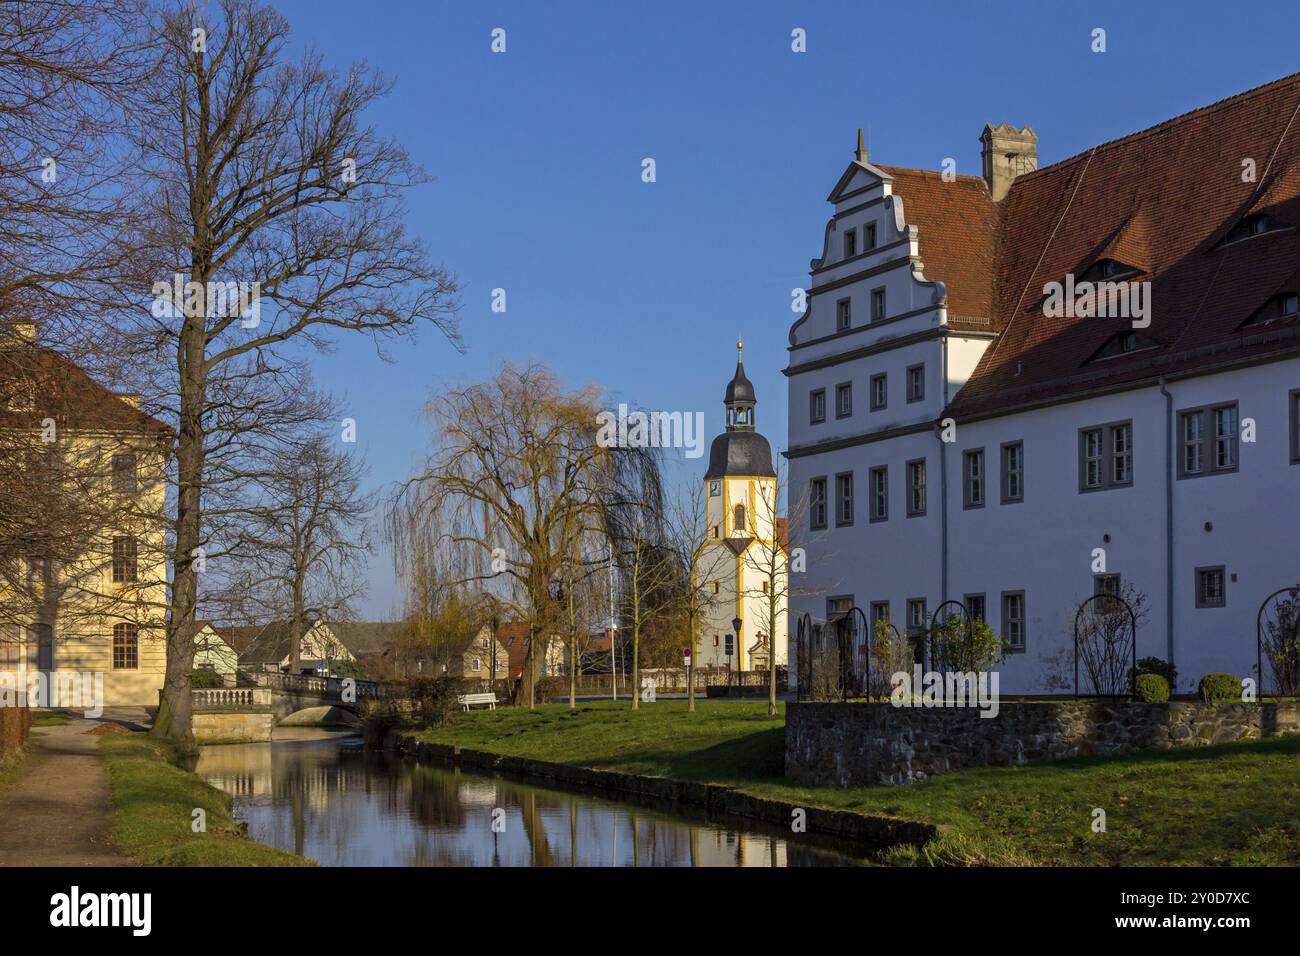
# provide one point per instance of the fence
(842, 659)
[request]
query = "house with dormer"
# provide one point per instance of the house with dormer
(1021, 388)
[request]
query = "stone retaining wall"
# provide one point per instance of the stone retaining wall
(858, 744)
(877, 830)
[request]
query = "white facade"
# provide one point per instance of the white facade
(1043, 546)
(742, 580)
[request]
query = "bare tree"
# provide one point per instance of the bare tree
(768, 557)
(69, 74)
(516, 476)
(698, 567)
(277, 211)
(303, 548)
(645, 571)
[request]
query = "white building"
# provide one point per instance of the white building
(1171, 450)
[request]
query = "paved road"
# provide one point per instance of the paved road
(60, 812)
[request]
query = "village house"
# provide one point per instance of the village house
(956, 439)
(320, 651)
(213, 654)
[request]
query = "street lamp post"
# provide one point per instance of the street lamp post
(735, 623)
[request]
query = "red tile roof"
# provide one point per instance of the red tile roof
(38, 383)
(514, 635)
(1160, 200)
(957, 226)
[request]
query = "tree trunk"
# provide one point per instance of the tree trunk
(573, 672)
(772, 606)
(295, 643)
(178, 725)
(690, 669)
(636, 665)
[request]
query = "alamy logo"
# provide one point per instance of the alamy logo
(1101, 300)
(67, 689)
(73, 909)
(946, 689)
(638, 429)
(213, 300)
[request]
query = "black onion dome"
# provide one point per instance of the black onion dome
(740, 389)
(740, 453)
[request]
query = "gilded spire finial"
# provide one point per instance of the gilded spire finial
(861, 154)
(739, 348)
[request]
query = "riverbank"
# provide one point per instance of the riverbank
(1236, 804)
(154, 800)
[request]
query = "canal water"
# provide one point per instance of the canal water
(323, 795)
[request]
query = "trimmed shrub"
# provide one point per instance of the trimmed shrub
(1154, 665)
(434, 699)
(549, 689)
(1152, 688)
(205, 679)
(1218, 687)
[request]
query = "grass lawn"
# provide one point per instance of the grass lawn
(154, 800)
(49, 718)
(1233, 804)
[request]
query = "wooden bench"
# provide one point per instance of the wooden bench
(469, 700)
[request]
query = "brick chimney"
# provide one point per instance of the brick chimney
(1008, 152)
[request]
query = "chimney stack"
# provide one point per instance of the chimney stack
(1008, 152)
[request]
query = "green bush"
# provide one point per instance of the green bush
(434, 700)
(1218, 687)
(1152, 688)
(205, 679)
(960, 644)
(1154, 665)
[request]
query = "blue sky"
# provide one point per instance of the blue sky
(643, 288)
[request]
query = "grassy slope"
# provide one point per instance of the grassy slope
(1231, 804)
(154, 801)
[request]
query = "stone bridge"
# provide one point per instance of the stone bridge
(248, 714)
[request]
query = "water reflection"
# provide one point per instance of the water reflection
(322, 795)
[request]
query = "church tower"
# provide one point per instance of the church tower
(743, 559)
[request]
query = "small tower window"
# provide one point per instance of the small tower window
(850, 244)
(739, 518)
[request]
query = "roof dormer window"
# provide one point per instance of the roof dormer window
(1107, 269)
(1122, 343)
(1282, 306)
(1256, 224)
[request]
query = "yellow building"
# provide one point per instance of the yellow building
(83, 589)
(743, 563)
